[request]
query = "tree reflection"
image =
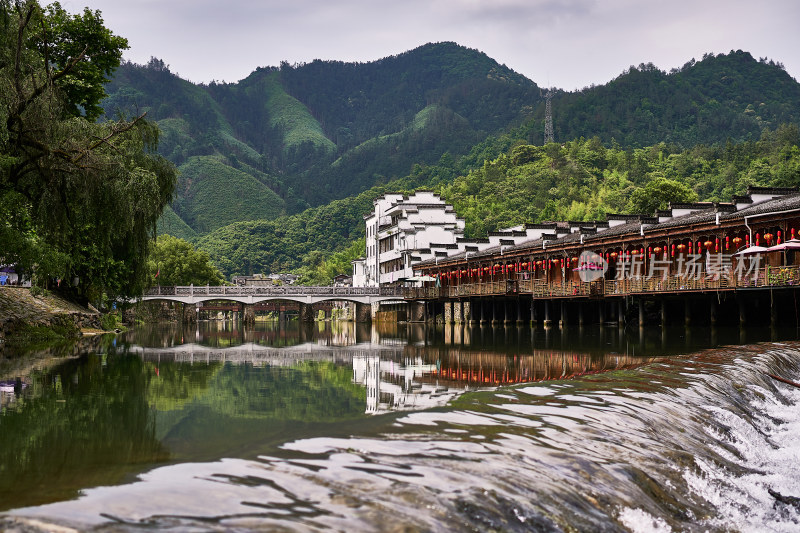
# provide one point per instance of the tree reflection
(83, 423)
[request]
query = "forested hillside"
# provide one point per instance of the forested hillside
(726, 96)
(289, 137)
(300, 135)
(579, 180)
(256, 154)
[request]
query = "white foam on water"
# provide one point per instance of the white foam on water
(639, 521)
(537, 390)
(768, 451)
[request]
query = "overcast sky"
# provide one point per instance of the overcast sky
(561, 43)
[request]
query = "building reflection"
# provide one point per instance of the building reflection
(405, 366)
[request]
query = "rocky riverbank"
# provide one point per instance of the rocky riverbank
(24, 315)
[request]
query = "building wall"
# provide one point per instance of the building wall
(400, 228)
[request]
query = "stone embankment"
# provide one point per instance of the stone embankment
(20, 311)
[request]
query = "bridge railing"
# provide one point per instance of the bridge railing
(764, 277)
(286, 290)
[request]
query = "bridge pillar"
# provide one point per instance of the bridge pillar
(416, 312)
(687, 312)
(248, 314)
(363, 313)
(466, 312)
(547, 320)
(641, 312)
(663, 312)
(457, 316)
(189, 313)
(713, 309)
(601, 312)
(306, 312)
(448, 312)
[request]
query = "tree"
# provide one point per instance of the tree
(84, 192)
(174, 261)
(657, 194)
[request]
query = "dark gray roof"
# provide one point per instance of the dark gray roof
(782, 203)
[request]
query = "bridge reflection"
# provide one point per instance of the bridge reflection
(403, 368)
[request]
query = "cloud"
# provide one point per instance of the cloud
(571, 43)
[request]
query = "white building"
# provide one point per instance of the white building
(401, 231)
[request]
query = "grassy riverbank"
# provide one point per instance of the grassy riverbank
(25, 317)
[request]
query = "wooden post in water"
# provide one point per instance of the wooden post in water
(663, 312)
(641, 312)
(687, 312)
(742, 310)
(773, 310)
(713, 312)
(547, 320)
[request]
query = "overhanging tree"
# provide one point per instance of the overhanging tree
(78, 198)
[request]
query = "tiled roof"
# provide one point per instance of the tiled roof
(782, 203)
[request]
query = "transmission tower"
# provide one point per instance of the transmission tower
(548, 118)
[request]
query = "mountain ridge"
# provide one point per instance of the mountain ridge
(311, 133)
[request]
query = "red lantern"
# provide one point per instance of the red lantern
(657, 250)
(768, 237)
(737, 241)
(681, 247)
(727, 242)
(708, 245)
(673, 250)
(613, 255)
(758, 239)
(747, 240)
(792, 233)
(716, 244)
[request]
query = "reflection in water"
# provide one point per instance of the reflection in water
(283, 420)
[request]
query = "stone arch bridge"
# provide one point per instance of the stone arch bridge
(366, 298)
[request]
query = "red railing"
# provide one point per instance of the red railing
(763, 277)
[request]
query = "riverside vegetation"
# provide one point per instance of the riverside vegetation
(79, 197)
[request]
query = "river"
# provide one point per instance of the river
(404, 428)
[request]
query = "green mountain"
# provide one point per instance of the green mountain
(256, 154)
(308, 134)
(727, 96)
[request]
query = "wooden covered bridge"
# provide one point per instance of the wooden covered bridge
(699, 262)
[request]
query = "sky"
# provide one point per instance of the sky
(569, 44)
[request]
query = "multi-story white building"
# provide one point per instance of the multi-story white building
(401, 231)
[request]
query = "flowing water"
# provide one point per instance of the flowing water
(346, 428)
